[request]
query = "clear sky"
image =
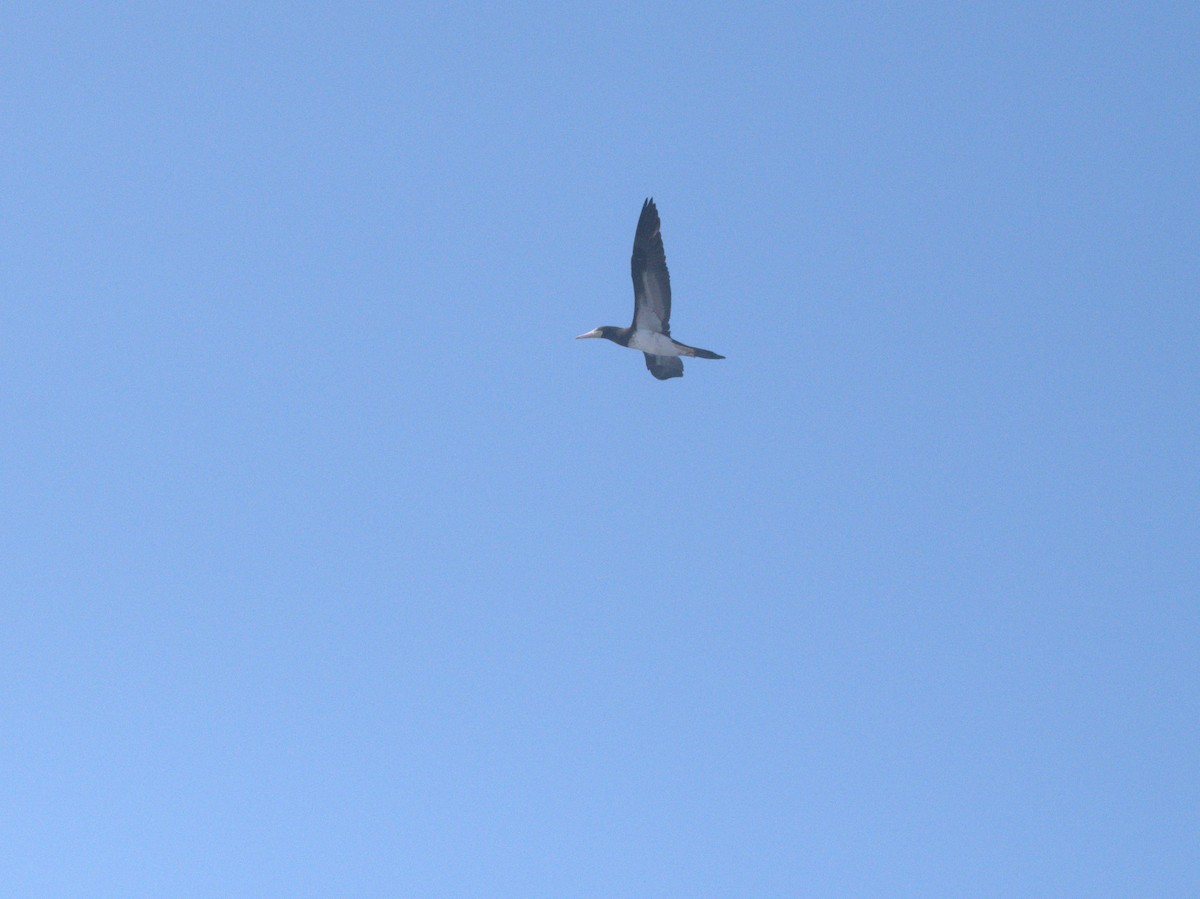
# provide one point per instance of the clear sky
(333, 565)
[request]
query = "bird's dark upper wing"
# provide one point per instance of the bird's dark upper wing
(663, 367)
(651, 280)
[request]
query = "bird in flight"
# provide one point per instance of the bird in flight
(651, 328)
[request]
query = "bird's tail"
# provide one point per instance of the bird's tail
(696, 352)
(685, 350)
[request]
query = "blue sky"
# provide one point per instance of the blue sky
(332, 565)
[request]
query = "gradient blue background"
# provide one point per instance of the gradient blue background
(332, 565)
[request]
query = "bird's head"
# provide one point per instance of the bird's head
(606, 331)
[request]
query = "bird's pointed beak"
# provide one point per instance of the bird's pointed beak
(593, 333)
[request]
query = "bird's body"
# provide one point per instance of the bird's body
(650, 331)
(655, 342)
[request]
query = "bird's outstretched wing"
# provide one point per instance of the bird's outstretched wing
(651, 280)
(664, 367)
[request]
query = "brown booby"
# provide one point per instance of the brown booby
(651, 328)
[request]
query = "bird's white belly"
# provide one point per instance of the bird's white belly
(653, 342)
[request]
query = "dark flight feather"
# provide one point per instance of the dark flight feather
(651, 280)
(664, 367)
